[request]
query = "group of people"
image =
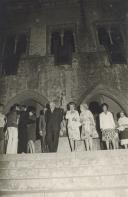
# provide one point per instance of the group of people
(113, 133)
(19, 128)
(16, 129)
(81, 126)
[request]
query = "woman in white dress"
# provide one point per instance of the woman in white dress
(88, 126)
(123, 128)
(73, 125)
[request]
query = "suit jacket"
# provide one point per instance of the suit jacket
(53, 119)
(42, 124)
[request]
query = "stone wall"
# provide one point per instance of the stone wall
(90, 66)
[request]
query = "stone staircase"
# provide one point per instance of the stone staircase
(77, 174)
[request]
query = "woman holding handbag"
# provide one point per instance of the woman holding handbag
(88, 126)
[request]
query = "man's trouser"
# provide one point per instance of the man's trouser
(2, 147)
(52, 139)
(12, 140)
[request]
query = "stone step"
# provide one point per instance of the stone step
(58, 172)
(65, 147)
(118, 192)
(99, 154)
(82, 174)
(54, 160)
(63, 183)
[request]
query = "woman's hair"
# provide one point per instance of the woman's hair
(105, 104)
(13, 108)
(123, 113)
(72, 103)
(85, 106)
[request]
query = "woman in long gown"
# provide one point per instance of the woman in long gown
(88, 126)
(123, 128)
(73, 125)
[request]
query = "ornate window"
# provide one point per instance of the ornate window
(13, 47)
(62, 44)
(112, 39)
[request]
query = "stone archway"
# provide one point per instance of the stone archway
(106, 91)
(28, 94)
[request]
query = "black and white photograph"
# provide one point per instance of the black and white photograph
(63, 98)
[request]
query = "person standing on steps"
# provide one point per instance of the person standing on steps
(73, 119)
(31, 130)
(108, 127)
(12, 131)
(53, 118)
(123, 129)
(22, 128)
(42, 130)
(2, 125)
(88, 126)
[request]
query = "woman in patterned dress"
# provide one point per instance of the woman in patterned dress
(107, 126)
(88, 126)
(73, 125)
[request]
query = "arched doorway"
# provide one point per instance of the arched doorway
(32, 100)
(103, 94)
(27, 97)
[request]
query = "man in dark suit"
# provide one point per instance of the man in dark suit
(53, 117)
(22, 127)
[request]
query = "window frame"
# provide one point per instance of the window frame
(108, 25)
(6, 33)
(60, 27)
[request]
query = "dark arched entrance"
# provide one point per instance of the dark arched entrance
(31, 99)
(26, 97)
(113, 95)
(103, 94)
